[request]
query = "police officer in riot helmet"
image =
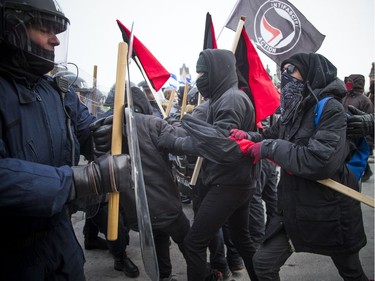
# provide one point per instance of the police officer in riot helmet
(22, 20)
(43, 130)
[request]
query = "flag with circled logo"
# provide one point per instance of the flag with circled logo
(276, 27)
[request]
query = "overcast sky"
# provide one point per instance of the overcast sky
(173, 31)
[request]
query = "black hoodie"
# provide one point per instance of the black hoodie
(228, 108)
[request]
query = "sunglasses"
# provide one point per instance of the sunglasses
(290, 69)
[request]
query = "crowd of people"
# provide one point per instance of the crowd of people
(45, 129)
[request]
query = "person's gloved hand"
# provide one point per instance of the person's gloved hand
(171, 120)
(166, 142)
(255, 136)
(255, 151)
(106, 174)
(238, 134)
(360, 124)
(243, 144)
(101, 131)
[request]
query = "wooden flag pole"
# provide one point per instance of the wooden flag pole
(116, 148)
(238, 33)
(348, 191)
(197, 168)
(184, 98)
(199, 161)
(170, 102)
(149, 85)
(94, 87)
(199, 99)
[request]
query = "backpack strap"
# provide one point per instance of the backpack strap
(358, 162)
(318, 109)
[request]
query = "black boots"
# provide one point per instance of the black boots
(95, 243)
(127, 266)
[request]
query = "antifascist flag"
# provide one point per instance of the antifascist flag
(265, 96)
(155, 72)
(278, 29)
(209, 34)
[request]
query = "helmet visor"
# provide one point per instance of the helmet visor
(21, 24)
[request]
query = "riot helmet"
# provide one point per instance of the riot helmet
(18, 20)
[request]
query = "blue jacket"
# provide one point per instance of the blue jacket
(36, 152)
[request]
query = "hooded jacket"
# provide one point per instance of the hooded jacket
(317, 219)
(356, 97)
(163, 196)
(228, 108)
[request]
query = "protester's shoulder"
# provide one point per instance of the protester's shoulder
(235, 94)
(236, 97)
(153, 122)
(335, 88)
(332, 107)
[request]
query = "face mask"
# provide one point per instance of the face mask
(203, 85)
(349, 86)
(37, 65)
(291, 96)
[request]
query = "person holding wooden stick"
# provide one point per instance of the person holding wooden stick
(230, 186)
(312, 218)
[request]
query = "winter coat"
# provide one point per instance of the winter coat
(317, 219)
(35, 177)
(356, 96)
(163, 196)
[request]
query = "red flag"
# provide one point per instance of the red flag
(209, 34)
(155, 72)
(265, 96)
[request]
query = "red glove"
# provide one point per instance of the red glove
(238, 134)
(255, 151)
(244, 144)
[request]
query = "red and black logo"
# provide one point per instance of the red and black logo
(277, 27)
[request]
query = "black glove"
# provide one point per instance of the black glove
(106, 174)
(101, 131)
(166, 142)
(255, 136)
(360, 124)
(171, 120)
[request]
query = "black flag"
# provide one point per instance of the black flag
(276, 27)
(209, 34)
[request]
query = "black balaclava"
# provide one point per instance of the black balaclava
(21, 64)
(202, 81)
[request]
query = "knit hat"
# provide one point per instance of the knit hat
(301, 61)
(201, 64)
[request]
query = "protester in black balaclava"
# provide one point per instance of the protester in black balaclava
(307, 152)
(228, 183)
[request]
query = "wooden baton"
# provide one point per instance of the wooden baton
(116, 148)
